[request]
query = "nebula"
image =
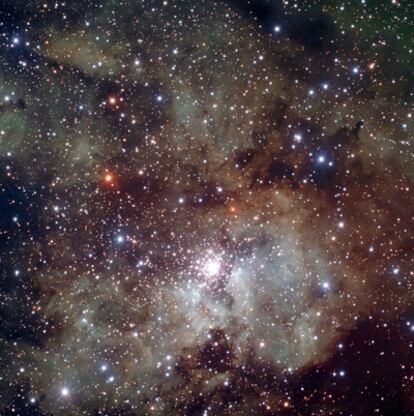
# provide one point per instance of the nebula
(206, 208)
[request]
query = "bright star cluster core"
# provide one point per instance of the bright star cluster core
(206, 207)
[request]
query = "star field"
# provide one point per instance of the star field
(206, 207)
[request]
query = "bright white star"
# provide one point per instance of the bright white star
(212, 267)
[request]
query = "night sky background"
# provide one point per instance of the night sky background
(206, 207)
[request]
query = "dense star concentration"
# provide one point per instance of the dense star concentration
(206, 207)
